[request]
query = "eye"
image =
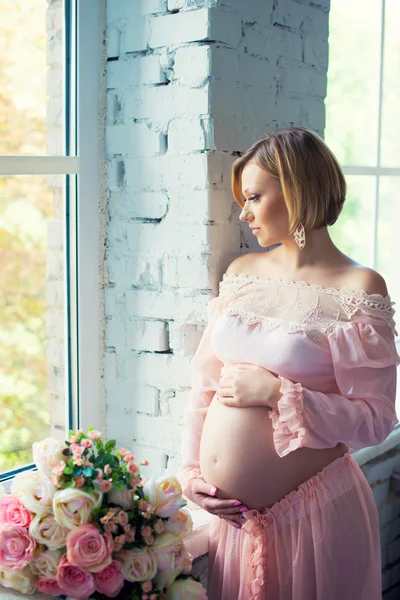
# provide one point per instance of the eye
(254, 197)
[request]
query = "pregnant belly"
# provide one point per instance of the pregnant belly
(237, 455)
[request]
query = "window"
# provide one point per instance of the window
(362, 124)
(48, 256)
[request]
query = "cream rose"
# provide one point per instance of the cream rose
(171, 556)
(35, 490)
(73, 507)
(47, 454)
(185, 589)
(165, 494)
(45, 564)
(122, 498)
(22, 581)
(180, 524)
(139, 564)
(46, 530)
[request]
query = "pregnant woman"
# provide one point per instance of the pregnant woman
(296, 367)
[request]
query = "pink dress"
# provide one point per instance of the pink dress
(335, 354)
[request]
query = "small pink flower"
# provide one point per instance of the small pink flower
(153, 597)
(145, 597)
(119, 541)
(147, 515)
(78, 462)
(94, 435)
(105, 486)
(58, 470)
(17, 547)
(99, 475)
(76, 449)
(128, 457)
(107, 470)
(123, 518)
(49, 587)
(130, 535)
(132, 468)
(73, 439)
(147, 586)
(73, 581)
(110, 580)
(123, 451)
(159, 526)
(151, 509)
(145, 462)
(13, 512)
(143, 505)
(149, 540)
(55, 480)
(134, 482)
(85, 443)
(79, 431)
(145, 530)
(88, 549)
(79, 481)
(110, 527)
(87, 463)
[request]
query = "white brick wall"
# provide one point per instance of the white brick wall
(190, 84)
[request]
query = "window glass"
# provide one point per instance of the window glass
(390, 148)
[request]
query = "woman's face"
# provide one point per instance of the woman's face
(265, 207)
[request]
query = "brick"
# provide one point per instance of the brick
(55, 353)
(135, 71)
(114, 112)
(303, 81)
(55, 323)
(55, 266)
(389, 510)
(115, 333)
(164, 102)
(57, 411)
(394, 551)
(390, 576)
(191, 26)
(136, 34)
(130, 397)
(188, 134)
(175, 171)
(138, 205)
(147, 335)
(134, 140)
(192, 65)
(380, 491)
(381, 467)
(184, 338)
(113, 42)
(316, 52)
(115, 173)
(123, 9)
(55, 294)
(55, 235)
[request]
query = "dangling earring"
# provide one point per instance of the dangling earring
(300, 236)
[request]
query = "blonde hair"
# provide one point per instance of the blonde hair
(313, 184)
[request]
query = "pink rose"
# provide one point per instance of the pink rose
(94, 435)
(105, 486)
(107, 469)
(88, 549)
(110, 580)
(13, 512)
(123, 518)
(86, 443)
(49, 586)
(16, 547)
(73, 581)
(132, 468)
(146, 586)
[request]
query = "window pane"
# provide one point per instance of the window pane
(32, 294)
(354, 231)
(388, 263)
(391, 87)
(353, 81)
(31, 77)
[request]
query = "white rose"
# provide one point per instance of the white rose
(35, 490)
(122, 498)
(172, 557)
(185, 589)
(73, 507)
(47, 454)
(165, 494)
(21, 581)
(45, 564)
(46, 530)
(180, 524)
(139, 564)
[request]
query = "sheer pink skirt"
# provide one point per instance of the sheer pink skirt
(320, 542)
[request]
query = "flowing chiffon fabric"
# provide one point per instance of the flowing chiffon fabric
(335, 354)
(320, 542)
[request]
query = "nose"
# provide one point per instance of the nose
(245, 215)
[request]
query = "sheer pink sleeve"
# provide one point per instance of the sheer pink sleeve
(205, 375)
(363, 413)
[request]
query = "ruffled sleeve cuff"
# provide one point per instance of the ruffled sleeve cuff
(288, 421)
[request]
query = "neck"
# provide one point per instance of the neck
(319, 249)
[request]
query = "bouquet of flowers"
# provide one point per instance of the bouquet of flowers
(86, 525)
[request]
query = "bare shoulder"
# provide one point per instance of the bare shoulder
(245, 263)
(368, 280)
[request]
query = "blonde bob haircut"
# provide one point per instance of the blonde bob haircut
(313, 184)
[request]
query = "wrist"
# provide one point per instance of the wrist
(274, 395)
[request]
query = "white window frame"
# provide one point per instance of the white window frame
(85, 403)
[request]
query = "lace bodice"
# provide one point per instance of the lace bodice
(297, 306)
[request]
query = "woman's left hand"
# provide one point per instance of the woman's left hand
(244, 385)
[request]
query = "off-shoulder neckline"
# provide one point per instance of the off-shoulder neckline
(345, 291)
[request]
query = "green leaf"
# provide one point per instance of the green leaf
(71, 462)
(90, 428)
(110, 445)
(69, 484)
(71, 433)
(99, 445)
(88, 471)
(118, 485)
(68, 471)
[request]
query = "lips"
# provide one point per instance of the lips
(254, 228)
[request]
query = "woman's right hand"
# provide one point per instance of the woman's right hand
(200, 492)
